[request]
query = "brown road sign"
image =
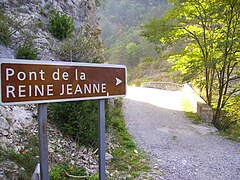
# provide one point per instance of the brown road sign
(25, 81)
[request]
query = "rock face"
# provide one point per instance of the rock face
(18, 123)
(12, 120)
(31, 20)
(6, 52)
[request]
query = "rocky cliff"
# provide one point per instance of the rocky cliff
(28, 21)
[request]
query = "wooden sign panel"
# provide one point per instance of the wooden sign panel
(25, 81)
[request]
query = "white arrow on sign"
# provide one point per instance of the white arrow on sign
(118, 81)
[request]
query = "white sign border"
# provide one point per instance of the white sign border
(59, 63)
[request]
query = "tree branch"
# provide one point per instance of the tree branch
(196, 38)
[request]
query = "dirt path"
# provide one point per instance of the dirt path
(181, 149)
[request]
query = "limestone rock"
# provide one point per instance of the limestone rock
(6, 52)
(3, 140)
(10, 167)
(36, 174)
(21, 115)
(2, 175)
(16, 127)
(33, 19)
(4, 124)
(4, 132)
(108, 157)
(5, 112)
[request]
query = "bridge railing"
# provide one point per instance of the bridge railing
(163, 85)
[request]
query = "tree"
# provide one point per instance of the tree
(133, 52)
(208, 32)
(120, 24)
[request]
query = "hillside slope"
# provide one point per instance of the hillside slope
(28, 22)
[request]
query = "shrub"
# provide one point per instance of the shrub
(26, 159)
(76, 49)
(59, 172)
(40, 24)
(78, 120)
(61, 25)
(27, 51)
(82, 47)
(4, 28)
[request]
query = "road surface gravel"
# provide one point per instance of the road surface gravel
(182, 150)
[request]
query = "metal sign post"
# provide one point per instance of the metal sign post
(43, 141)
(101, 139)
(45, 82)
(41, 82)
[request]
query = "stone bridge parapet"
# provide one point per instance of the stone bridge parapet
(163, 85)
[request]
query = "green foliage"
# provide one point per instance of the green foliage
(149, 69)
(43, 12)
(129, 49)
(124, 155)
(27, 158)
(27, 161)
(27, 51)
(133, 53)
(78, 120)
(61, 172)
(40, 24)
(61, 25)
(120, 22)
(230, 118)
(207, 33)
(75, 118)
(4, 28)
(83, 47)
(118, 16)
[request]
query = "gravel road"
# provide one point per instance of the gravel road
(182, 150)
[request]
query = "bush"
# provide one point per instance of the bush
(27, 51)
(84, 46)
(26, 159)
(59, 172)
(61, 25)
(77, 49)
(230, 118)
(4, 28)
(78, 120)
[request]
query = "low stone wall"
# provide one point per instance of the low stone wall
(205, 112)
(163, 85)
